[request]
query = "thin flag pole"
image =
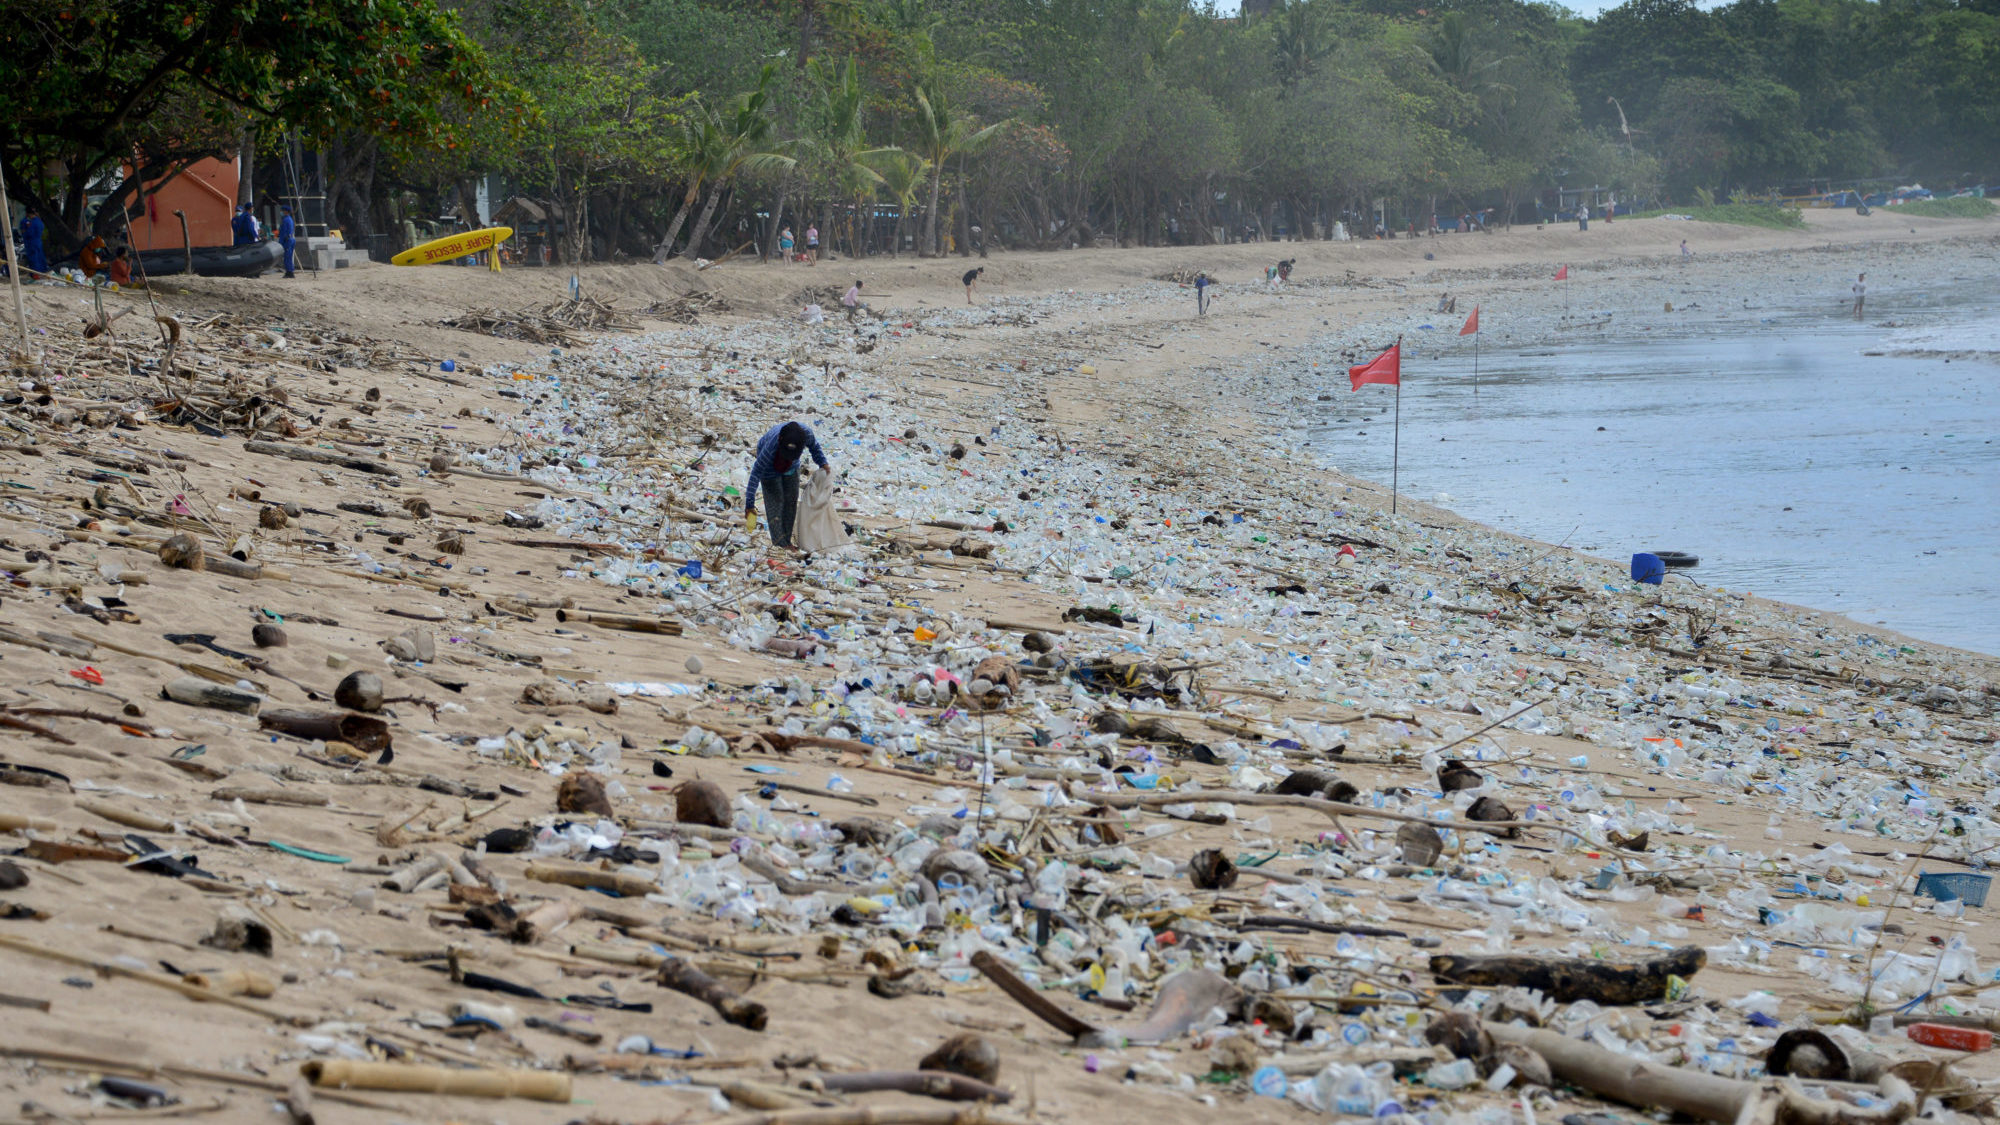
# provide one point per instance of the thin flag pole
(1565, 290)
(1475, 355)
(1396, 444)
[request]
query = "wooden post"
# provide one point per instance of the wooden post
(13, 261)
(187, 244)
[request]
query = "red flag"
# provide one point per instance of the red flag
(1471, 323)
(1562, 274)
(1386, 369)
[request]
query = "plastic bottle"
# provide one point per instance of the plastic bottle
(1454, 1075)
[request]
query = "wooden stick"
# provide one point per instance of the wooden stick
(941, 1084)
(866, 1115)
(1024, 994)
(77, 1061)
(1567, 979)
(544, 920)
(540, 1085)
(683, 977)
(665, 626)
(16, 822)
(589, 878)
(157, 980)
(271, 796)
(128, 817)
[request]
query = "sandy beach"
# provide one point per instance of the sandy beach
(1076, 439)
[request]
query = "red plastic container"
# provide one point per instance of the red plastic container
(1950, 1038)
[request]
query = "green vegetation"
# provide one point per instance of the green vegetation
(1967, 208)
(1743, 214)
(683, 127)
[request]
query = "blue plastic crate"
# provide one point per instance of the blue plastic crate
(1965, 886)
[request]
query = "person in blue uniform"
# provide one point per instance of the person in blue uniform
(34, 255)
(244, 225)
(287, 235)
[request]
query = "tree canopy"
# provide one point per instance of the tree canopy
(952, 125)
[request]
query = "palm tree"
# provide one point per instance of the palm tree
(721, 145)
(1457, 54)
(839, 140)
(942, 135)
(903, 177)
(1302, 37)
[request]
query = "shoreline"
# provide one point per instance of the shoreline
(1791, 293)
(575, 483)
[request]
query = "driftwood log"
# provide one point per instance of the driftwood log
(1710, 1097)
(683, 977)
(540, 1085)
(939, 1084)
(1565, 979)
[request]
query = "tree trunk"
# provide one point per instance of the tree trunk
(808, 14)
(777, 218)
(666, 245)
(964, 218)
(246, 153)
(576, 225)
(468, 202)
(929, 247)
(701, 224)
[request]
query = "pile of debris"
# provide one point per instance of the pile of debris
(559, 323)
(688, 308)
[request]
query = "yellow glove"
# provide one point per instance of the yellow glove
(750, 522)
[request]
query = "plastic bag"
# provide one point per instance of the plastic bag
(818, 528)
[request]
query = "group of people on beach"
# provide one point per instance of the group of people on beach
(789, 251)
(247, 230)
(98, 262)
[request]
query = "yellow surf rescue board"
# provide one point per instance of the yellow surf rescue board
(452, 247)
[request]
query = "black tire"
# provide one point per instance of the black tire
(1677, 559)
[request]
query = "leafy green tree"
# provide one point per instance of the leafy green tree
(84, 84)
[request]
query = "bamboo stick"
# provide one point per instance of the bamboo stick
(545, 1086)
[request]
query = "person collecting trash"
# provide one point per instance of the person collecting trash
(780, 454)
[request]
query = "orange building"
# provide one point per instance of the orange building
(206, 192)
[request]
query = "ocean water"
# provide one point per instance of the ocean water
(1798, 465)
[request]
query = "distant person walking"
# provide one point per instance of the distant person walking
(852, 299)
(785, 244)
(1687, 255)
(812, 245)
(1860, 294)
(1583, 216)
(781, 452)
(971, 279)
(1201, 284)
